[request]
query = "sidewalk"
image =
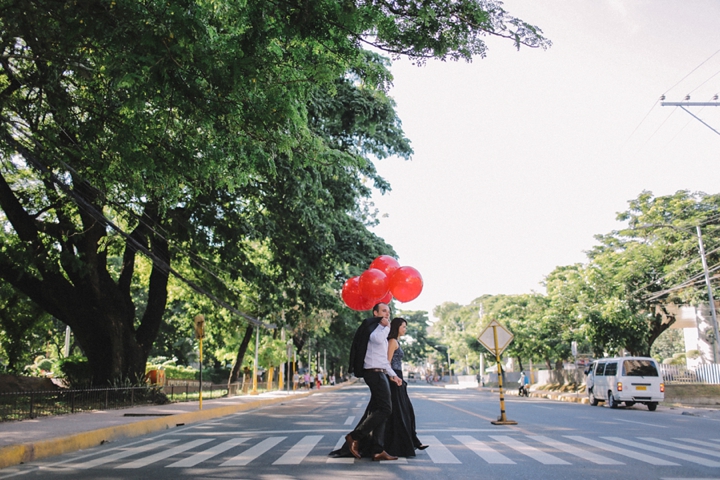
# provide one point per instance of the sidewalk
(29, 440)
(670, 407)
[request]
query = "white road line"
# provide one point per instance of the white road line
(483, 451)
(321, 430)
(359, 405)
(339, 445)
(143, 462)
(665, 451)
(699, 442)
(299, 451)
(573, 450)
(253, 452)
(350, 420)
(208, 454)
(691, 448)
(641, 423)
(120, 455)
(437, 451)
(532, 452)
(622, 451)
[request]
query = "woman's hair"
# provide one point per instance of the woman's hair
(395, 327)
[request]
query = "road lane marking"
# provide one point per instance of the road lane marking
(338, 446)
(665, 451)
(208, 454)
(350, 420)
(299, 451)
(120, 455)
(438, 452)
(573, 450)
(699, 442)
(253, 452)
(695, 449)
(532, 452)
(143, 462)
(483, 451)
(641, 423)
(622, 451)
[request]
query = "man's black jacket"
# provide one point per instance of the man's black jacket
(360, 345)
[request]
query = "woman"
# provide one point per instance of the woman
(400, 437)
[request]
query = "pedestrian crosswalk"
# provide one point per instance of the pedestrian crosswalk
(447, 448)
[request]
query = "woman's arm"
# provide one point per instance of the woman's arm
(392, 346)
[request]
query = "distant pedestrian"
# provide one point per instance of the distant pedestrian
(311, 383)
(332, 379)
(296, 380)
(306, 380)
(318, 380)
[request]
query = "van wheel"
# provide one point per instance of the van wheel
(629, 404)
(593, 401)
(652, 406)
(612, 403)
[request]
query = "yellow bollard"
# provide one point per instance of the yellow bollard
(502, 420)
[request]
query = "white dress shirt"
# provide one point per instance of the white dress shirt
(377, 351)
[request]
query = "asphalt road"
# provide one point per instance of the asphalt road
(551, 441)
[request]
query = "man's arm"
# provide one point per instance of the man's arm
(379, 337)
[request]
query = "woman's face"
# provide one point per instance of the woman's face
(402, 329)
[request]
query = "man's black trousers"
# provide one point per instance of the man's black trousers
(379, 409)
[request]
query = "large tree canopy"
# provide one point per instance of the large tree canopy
(231, 137)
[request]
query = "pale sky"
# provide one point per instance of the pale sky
(521, 157)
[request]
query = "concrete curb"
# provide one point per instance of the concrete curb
(27, 452)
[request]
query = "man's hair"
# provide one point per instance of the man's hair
(395, 327)
(376, 308)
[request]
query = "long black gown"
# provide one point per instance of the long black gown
(400, 437)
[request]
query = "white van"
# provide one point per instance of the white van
(625, 379)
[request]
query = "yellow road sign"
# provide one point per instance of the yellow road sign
(504, 337)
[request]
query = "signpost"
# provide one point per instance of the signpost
(496, 338)
(199, 334)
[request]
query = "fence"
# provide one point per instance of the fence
(24, 405)
(707, 373)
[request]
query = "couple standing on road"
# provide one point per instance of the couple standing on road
(387, 429)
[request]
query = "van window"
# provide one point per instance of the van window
(600, 369)
(640, 368)
(611, 369)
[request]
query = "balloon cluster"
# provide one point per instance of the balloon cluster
(384, 280)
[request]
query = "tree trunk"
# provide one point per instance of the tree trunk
(235, 373)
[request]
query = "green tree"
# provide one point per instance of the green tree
(130, 127)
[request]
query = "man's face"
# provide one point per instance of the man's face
(382, 311)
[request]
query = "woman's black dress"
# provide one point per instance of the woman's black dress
(400, 437)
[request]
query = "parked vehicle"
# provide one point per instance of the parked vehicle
(625, 379)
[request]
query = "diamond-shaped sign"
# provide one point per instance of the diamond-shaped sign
(487, 337)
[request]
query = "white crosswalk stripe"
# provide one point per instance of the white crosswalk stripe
(699, 442)
(299, 451)
(691, 448)
(532, 452)
(483, 450)
(143, 462)
(437, 451)
(208, 454)
(120, 455)
(622, 451)
(492, 449)
(573, 450)
(253, 452)
(665, 451)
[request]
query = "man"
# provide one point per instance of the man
(368, 359)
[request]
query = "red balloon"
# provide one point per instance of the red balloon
(385, 263)
(352, 296)
(406, 284)
(374, 284)
(386, 299)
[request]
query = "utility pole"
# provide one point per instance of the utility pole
(710, 295)
(692, 104)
